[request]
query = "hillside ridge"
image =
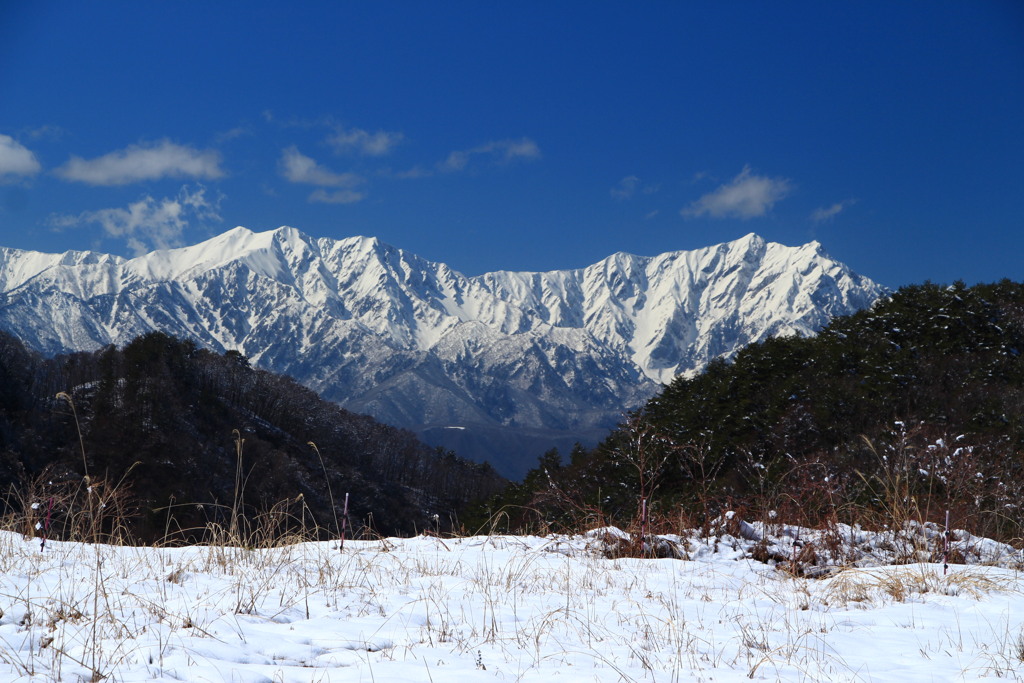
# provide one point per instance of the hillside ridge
(558, 354)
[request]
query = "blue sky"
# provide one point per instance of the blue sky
(523, 135)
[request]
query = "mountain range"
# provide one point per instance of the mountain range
(500, 366)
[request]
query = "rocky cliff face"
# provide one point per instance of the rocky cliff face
(502, 365)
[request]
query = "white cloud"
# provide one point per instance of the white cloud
(825, 214)
(745, 196)
(358, 141)
(163, 159)
(149, 224)
(342, 140)
(502, 151)
(296, 167)
(16, 159)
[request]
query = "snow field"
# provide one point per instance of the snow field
(491, 608)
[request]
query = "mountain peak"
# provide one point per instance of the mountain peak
(417, 344)
(293, 237)
(240, 244)
(751, 240)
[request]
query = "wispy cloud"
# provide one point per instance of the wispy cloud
(825, 214)
(414, 173)
(46, 132)
(233, 134)
(336, 196)
(149, 223)
(629, 186)
(625, 188)
(136, 163)
(296, 167)
(342, 139)
(745, 196)
(16, 160)
(357, 141)
(500, 151)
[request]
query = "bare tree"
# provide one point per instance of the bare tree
(647, 450)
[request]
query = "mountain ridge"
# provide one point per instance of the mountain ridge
(418, 344)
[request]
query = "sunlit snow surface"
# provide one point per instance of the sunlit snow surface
(496, 609)
(415, 343)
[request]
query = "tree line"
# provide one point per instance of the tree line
(180, 428)
(915, 403)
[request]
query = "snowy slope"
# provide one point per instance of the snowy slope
(556, 355)
(498, 608)
(675, 312)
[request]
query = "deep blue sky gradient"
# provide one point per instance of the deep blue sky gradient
(907, 119)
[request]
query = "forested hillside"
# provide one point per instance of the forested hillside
(187, 435)
(909, 408)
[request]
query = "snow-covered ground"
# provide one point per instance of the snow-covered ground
(504, 608)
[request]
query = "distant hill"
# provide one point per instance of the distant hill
(171, 419)
(914, 406)
(503, 365)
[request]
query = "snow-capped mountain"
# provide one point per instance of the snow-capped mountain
(492, 364)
